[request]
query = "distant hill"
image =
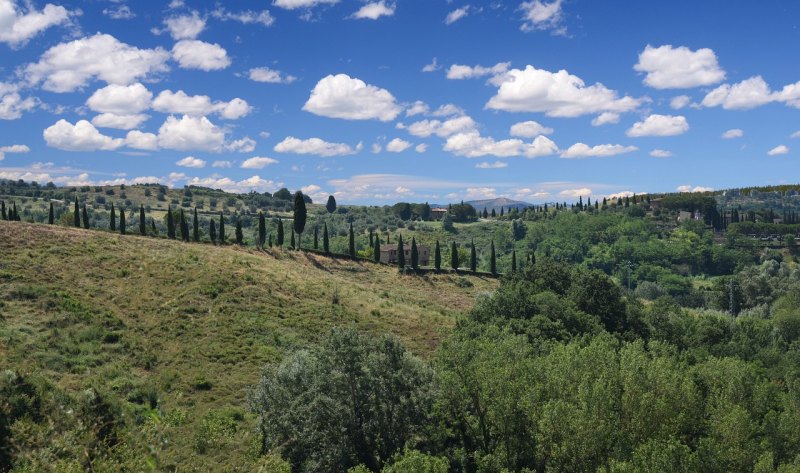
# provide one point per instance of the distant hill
(497, 203)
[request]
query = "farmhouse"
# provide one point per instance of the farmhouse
(438, 213)
(389, 254)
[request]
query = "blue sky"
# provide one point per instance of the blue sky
(384, 101)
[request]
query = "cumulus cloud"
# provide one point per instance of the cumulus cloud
(538, 15)
(680, 101)
(421, 148)
(70, 66)
(190, 133)
(580, 192)
(660, 153)
(140, 140)
(82, 136)
(295, 4)
(244, 145)
(460, 71)
(605, 118)
(433, 66)
(667, 67)
(19, 24)
(659, 125)
(119, 12)
(397, 145)
(13, 149)
(529, 129)
(778, 150)
(374, 10)
(120, 99)
(689, 188)
(258, 162)
(198, 105)
(247, 17)
(456, 15)
(473, 145)
(119, 122)
(582, 150)
(253, 183)
(557, 94)
(191, 162)
(12, 105)
(221, 164)
(733, 133)
(185, 26)
(795, 134)
(749, 93)
(341, 96)
(195, 54)
(265, 74)
(316, 146)
(440, 128)
(494, 165)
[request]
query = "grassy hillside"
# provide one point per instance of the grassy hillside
(176, 334)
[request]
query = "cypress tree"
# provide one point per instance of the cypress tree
(473, 258)
(401, 254)
(291, 242)
(122, 221)
(212, 231)
(316, 238)
(501, 211)
(85, 216)
(221, 229)
(51, 217)
(195, 227)
(153, 229)
(514, 260)
(300, 216)
(77, 214)
(376, 251)
(437, 257)
(239, 235)
(270, 240)
(325, 243)
(388, 239)
(113, 219)
(184, 227)
(280, 232)
(371, 238)
(493, 260)
(454, 256)
(16, 213)
(331, 205)
(414, 254)
(352, 246)
(3, 209)
(494, 214)
(142, 221)
(170, 224)
(262, 230)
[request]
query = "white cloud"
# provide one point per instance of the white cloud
(529, 129)
(417, 108)
(749, 93)
(120, 99)
(778, 150)
(70, 66)
(460, 71)
(195, 54)
(580, 192)
(679, 68)
(12, 105)
(258, 162)
(253, 183)
(244, 145)
(119, 12)
(397, 145)
(689, 188)
(659, 125)
(558, 94)
(680, 101)
(456, 15)
(294, 4)
(472, 145)
(82, 136)
(494, 165)
(190, 133)
(421, 148)
(265, 74)
(315, 146)
(341, 96)
(234, 110)
(13, 149)
(191, 162)
(733, 133)
(185, 26)
(221, 164)
(620, 194)
(141, 140)
(442, 129)
(247, 17)
(660, 153)
(605, 118)
(376, 148)
(539, 15)
(119, 122)
(795, 135)
(433, 66)
(18, 26)
(198, 105)
(374, 10)
(581, 150)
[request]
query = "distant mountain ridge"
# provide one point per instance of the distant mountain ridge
(497, 204)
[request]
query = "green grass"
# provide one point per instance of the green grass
(179, 333)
